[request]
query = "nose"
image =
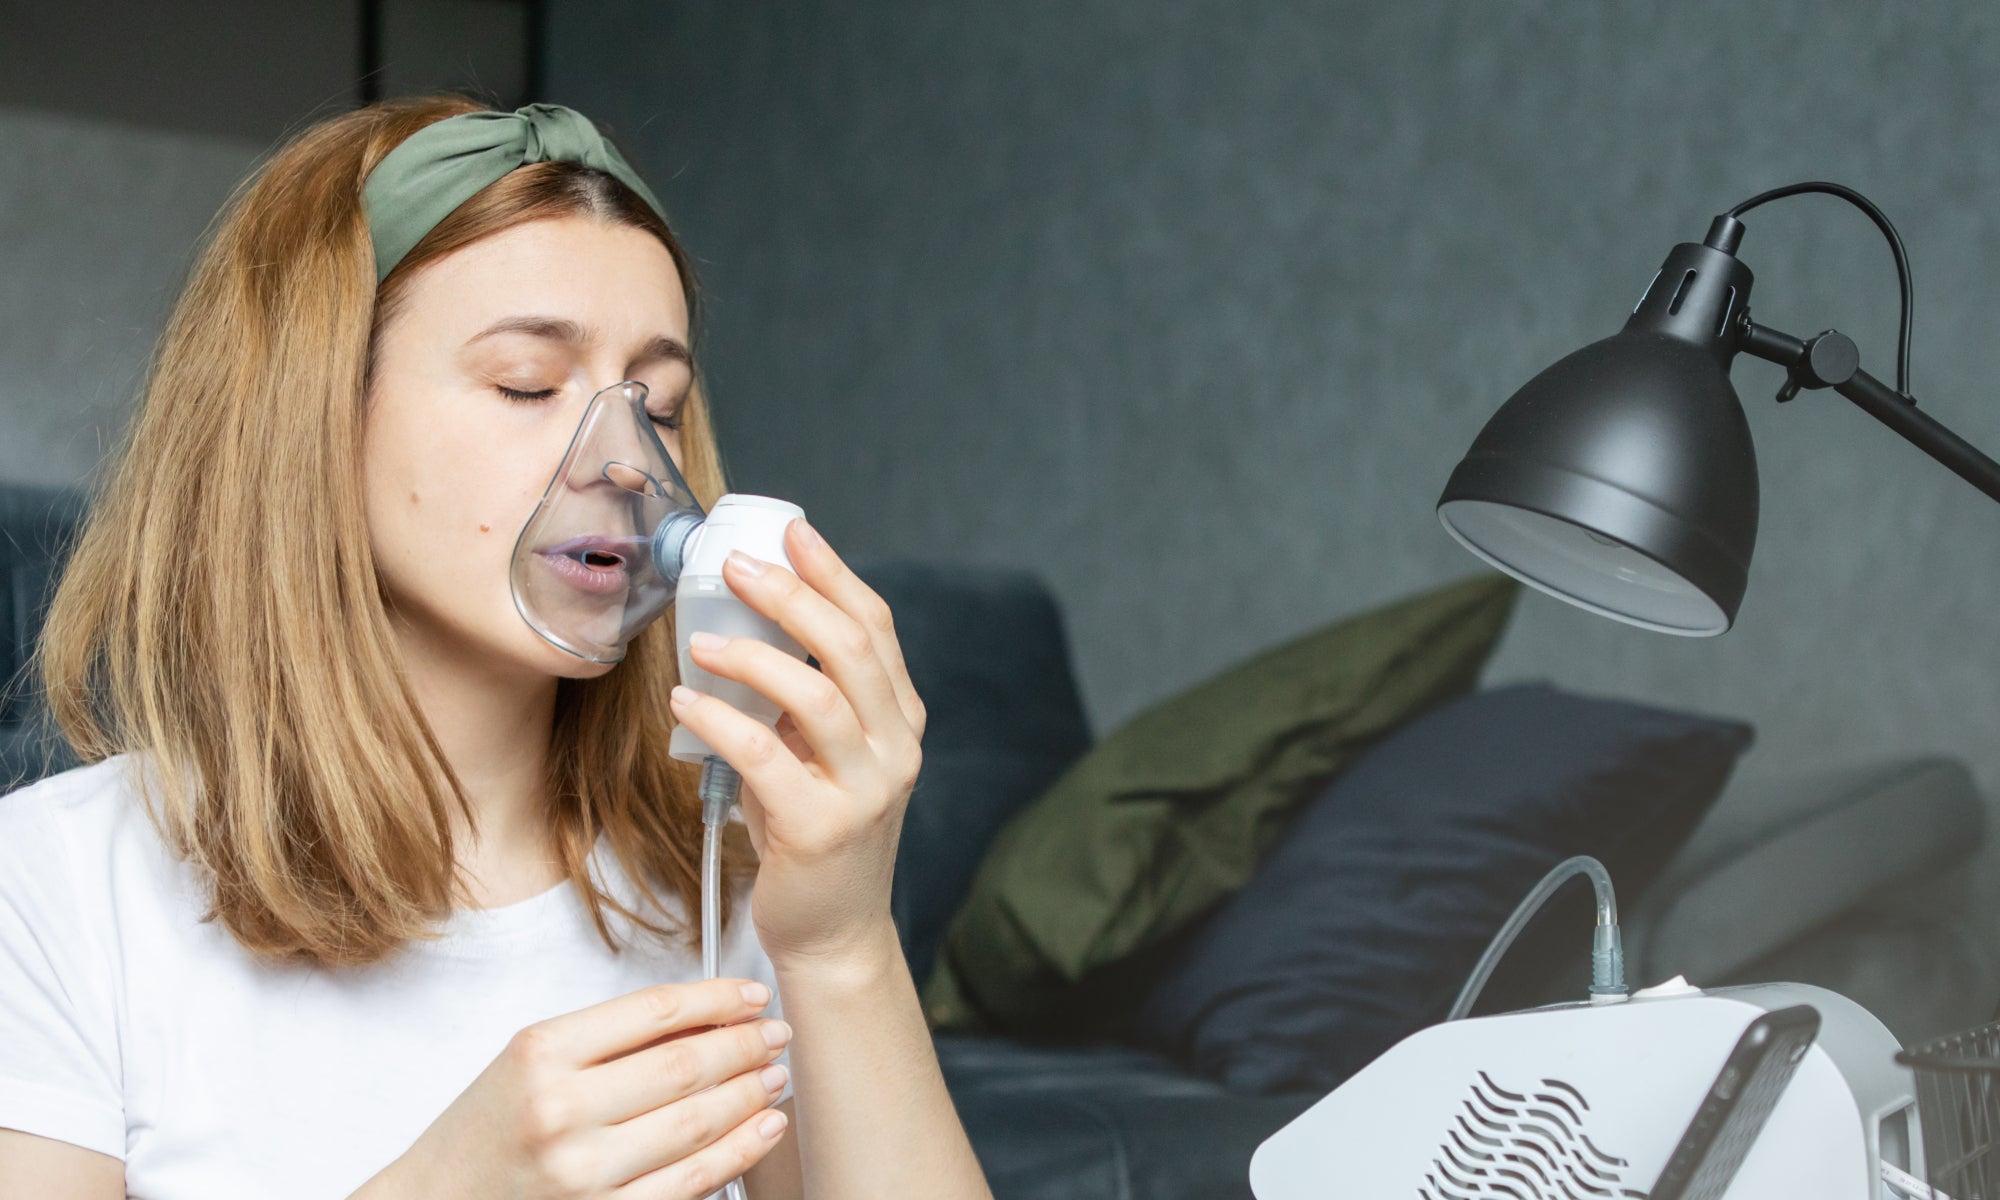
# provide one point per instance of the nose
(635, 480)
(607, 445)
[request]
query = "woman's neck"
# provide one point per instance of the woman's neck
(494, 729)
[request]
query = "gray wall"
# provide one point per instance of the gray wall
(98, 225)
(1192, 305)
(233, 68)
(256, 69)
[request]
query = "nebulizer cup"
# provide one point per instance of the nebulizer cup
(617, 538)
(754, 525)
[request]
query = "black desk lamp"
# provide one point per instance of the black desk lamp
(1622, 478)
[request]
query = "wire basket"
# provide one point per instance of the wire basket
(1958, 1105)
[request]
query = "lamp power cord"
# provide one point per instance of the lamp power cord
(1727, 232)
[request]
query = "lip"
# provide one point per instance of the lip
(566, 560)
(623, 546)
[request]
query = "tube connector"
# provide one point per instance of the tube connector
(719, 785)
(1607, 964)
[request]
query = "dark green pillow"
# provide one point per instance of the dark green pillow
(1170, 814)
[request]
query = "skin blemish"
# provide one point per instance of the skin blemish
(486, 529)
(413, 497)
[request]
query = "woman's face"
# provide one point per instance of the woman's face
(453, 465)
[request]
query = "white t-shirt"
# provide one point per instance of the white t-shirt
(129, 1027)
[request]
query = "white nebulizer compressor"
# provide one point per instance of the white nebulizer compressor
(1585, 1102)
(1590, 1100)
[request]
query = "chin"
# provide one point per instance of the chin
(547, 659)
(573, 667)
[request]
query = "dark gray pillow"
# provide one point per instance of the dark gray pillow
(1363, 923)
(988, 656)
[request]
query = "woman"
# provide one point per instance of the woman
(352, 898)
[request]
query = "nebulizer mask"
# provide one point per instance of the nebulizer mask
(618, 538)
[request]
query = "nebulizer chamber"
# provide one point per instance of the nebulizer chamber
(754, 525)
(618, 537)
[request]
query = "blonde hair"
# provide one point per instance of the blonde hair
(245, 645)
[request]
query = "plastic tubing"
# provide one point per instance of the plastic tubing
(1607, 951)
(719, 786)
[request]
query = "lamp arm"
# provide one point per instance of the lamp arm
(1830, 360)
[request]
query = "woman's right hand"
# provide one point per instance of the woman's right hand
(659, 1094)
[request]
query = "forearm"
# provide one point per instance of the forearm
(874, 1118)
(387, 1184)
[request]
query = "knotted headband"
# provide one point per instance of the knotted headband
(445, 163)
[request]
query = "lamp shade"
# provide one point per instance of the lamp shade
(1621, 479)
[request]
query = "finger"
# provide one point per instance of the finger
(827, 572)
(815, 703)
(612, 1027)
(745, 743)
(708, 1169)
(788, 733)
(752, 808)
(671, 1132)
(637, 1083)
(844, 647)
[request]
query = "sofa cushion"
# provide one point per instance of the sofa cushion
(1828, 839)
(37, 528)
(1096, 1121)
(1368, 917)
(1166, 817)
(987, 654)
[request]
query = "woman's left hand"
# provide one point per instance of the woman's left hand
(823, 795)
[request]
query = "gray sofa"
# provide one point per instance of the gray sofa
(1868, 878)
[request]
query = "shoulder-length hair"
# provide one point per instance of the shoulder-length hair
(221, 614)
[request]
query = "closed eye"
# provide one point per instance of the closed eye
(527, 397)
(520, 397)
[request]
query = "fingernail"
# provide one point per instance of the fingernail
(807, 534)
(772, 1125)
(704, 640)
(774, 1077)
(746, 564)
(757, 994)
(683, 694)
(776, 1034)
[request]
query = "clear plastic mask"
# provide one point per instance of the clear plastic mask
(600, 558)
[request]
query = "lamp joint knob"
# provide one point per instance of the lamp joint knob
(1828, 360)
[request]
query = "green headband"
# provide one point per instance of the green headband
(444, 164)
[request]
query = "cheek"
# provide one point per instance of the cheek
(444, 505)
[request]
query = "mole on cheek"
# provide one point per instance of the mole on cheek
(486, 529)
(413, 497)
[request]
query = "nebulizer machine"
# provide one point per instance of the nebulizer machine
(617, 538)
(1654, 1094)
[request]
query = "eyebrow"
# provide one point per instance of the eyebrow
(563, 329)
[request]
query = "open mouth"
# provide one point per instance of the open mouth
(594, 564)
